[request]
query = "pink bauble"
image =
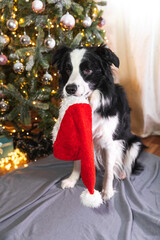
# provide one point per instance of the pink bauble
(3, 59)
(67, 21)
(37, 6)
(101, 22)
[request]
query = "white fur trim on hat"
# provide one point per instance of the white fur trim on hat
(65, 104)
(91, 200)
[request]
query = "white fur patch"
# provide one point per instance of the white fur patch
(91, 200)
(130, 157)
(75, 77)
(66, 103)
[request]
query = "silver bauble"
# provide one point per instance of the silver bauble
(12, 24)
(25, 40)
(67, 21)
(4, 40)
(3, 105)
(87, 21)
(13, 56)
(47, 78)
(18, 67)
(37, 6)
(49, 42)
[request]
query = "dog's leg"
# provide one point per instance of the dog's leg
(74, 177)
(110, 158)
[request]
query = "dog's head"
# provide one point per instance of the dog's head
(85, 69)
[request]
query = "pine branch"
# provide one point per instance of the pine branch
(13, 92)
(76, 41)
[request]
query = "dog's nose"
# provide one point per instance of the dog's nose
(71, 89)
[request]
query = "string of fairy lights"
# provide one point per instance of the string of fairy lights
(14, 160)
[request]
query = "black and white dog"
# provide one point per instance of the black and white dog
(87, 72)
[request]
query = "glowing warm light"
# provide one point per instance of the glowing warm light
(36, 118)
(13, 15)
(55, 119)
(13, 161)
(34, 102)
(53, 91)
(15, 9)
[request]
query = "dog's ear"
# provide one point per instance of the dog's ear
(58, 55)
(107, 55)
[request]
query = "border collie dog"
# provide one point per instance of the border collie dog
(86, 71)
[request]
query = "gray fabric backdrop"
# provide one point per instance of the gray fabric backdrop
(34, 207)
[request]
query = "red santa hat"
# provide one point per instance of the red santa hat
(72, 140)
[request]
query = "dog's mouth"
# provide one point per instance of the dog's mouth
(86, 95)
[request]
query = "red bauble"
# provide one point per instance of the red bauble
(101, 22)
(3, 59)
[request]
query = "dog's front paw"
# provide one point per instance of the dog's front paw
(106, 195)
(122, 175)
(68, 183)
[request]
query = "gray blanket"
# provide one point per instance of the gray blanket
(34, 207)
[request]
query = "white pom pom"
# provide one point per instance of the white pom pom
(91, 200)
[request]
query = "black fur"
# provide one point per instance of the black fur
(100, 59)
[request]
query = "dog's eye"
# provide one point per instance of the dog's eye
(68, 71)
(87, 71)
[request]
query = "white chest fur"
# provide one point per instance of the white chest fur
(103, 129)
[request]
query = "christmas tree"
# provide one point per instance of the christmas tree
(30, 32)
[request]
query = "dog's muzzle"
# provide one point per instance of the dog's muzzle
(71, 89)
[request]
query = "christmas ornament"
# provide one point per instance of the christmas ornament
(3, 105)
(101, 22)
(12, 24)
(2, 119)
(13, 56)
(4, 40)
(47, 78)
(3, 59)
(67, 21)
(37, 6)
(49, 42)
(25, 39)
(18, 67)
(87, 21)
(77, 144)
